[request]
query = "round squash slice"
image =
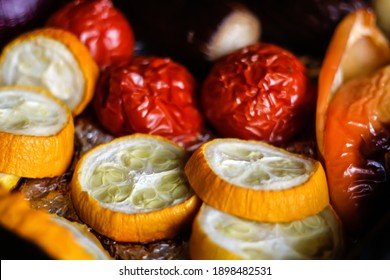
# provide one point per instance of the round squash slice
(217, 235)
(257, 181)
(58, 237)
(53, 59)
(134, 189)
(36, 133)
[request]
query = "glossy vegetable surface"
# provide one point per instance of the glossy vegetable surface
(149, 95)
(100, 26)
(356, 34)
(356, 150)
(259, 92)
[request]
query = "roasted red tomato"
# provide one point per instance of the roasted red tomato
(100, 26)
(149, 95)
(259, 92)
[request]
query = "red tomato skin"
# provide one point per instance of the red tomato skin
(149, 95)
(100, 26)
(260, 92)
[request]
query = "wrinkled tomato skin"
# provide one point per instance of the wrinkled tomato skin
(100, 26)
(259, 92)
(149, 95)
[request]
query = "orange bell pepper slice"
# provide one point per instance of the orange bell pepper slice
(357, 149)
(358, 47)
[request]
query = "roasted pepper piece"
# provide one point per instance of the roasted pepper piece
(356, 150)
(357, 48)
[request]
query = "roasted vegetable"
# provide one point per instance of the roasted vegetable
(356, 150)
(55, 237)
(256, 181)
(357, 34)
(351, 122)
(218, 235)
(133, 189)
(149, 95)
(36, 133)
(100, 26)
(53, 59)
(258, 92)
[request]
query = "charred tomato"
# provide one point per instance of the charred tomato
(149, 95)
(100, 26)
(258, 92)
